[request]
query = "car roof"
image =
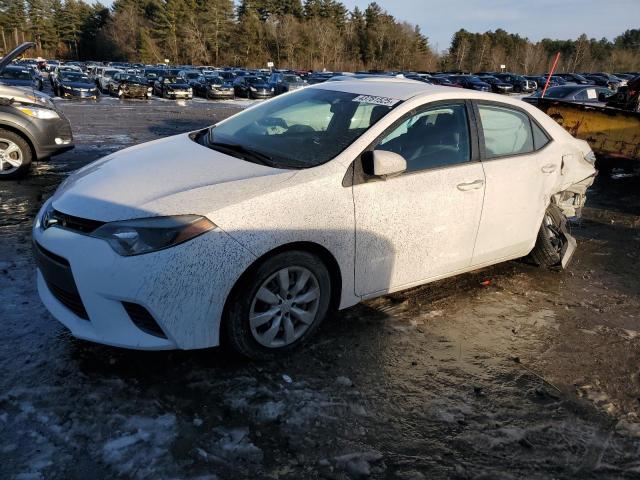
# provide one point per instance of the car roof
(397, 88)
(405, 89)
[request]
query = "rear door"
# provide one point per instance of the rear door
(422, 223)
(521, 166)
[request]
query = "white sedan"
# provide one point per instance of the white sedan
(251, 231)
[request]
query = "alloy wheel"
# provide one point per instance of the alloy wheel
(284, 307)
(11, 156)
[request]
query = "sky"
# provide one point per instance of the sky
(537, 19)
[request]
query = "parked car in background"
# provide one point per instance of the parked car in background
(252, 87)
(573, 93)
(75, 85)
(497, 85)
(542, 80)
(470, 82)
(313, 201)
(31, 127)
(285, 82)
(320, 77)
(443, 81)
(152, 74)
(55, 73)
(190, 76)
(520, 84)
(125, 85)
(172, 86)
(604, 80)
(419, 77)
(18, 76)
(103, 79)
(575, 78)
(214, 87)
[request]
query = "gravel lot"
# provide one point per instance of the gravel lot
(509, 372)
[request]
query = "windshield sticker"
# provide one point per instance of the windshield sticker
(386, 101)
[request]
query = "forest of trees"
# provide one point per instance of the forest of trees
(311, 34)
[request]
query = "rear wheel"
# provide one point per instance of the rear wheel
(15, 155)
(548, 249)
(278, 306)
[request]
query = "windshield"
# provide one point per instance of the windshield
(254, 80)
(153, 73)
(172, 80)
(16, 74)
(292, 78)
(301, 130)
(74, 77)
(110, 73)
(134, 78)
(214, 79)
(192, 74)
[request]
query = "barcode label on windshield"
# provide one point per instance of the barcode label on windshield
(389, 102)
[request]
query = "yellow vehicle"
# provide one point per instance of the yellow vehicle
(612, 133)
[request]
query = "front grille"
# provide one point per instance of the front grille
(70, 300)
(143, 319)
(56, 272)
(82, 225)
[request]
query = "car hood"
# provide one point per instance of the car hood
(6, 60)
(171, 176)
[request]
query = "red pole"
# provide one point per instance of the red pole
(553, 69)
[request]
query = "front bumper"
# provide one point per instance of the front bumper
(51, 136)
(260, 94)
(183, 288)
(179, 94)
(220, 94)
(78, 94)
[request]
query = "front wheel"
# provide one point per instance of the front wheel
(548, 249)
(15, 155)
(278, 306)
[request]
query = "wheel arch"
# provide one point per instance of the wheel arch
(329, 260)
(27, 138)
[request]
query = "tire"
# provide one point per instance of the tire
(548, 248)
(21, 151)
(244, 303)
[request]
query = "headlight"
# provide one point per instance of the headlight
(272, 89)
(190, 90)
(252, 89)
(149, 89)
(590, 157)
(37, 112)
(134, 237)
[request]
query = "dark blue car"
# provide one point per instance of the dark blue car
(17, 76)
(471, 82)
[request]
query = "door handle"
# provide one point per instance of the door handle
(470, 186)
(549, 168)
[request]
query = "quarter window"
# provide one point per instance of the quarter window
(435, 137)
(506, 131)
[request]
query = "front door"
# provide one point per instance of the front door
(422, 223)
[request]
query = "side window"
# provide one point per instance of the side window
(540, 138)
(506, 131)
(436, 137)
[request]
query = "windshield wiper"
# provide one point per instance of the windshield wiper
(243, 151)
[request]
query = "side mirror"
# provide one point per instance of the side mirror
(383, 163)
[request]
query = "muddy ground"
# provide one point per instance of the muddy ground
(509, 372)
